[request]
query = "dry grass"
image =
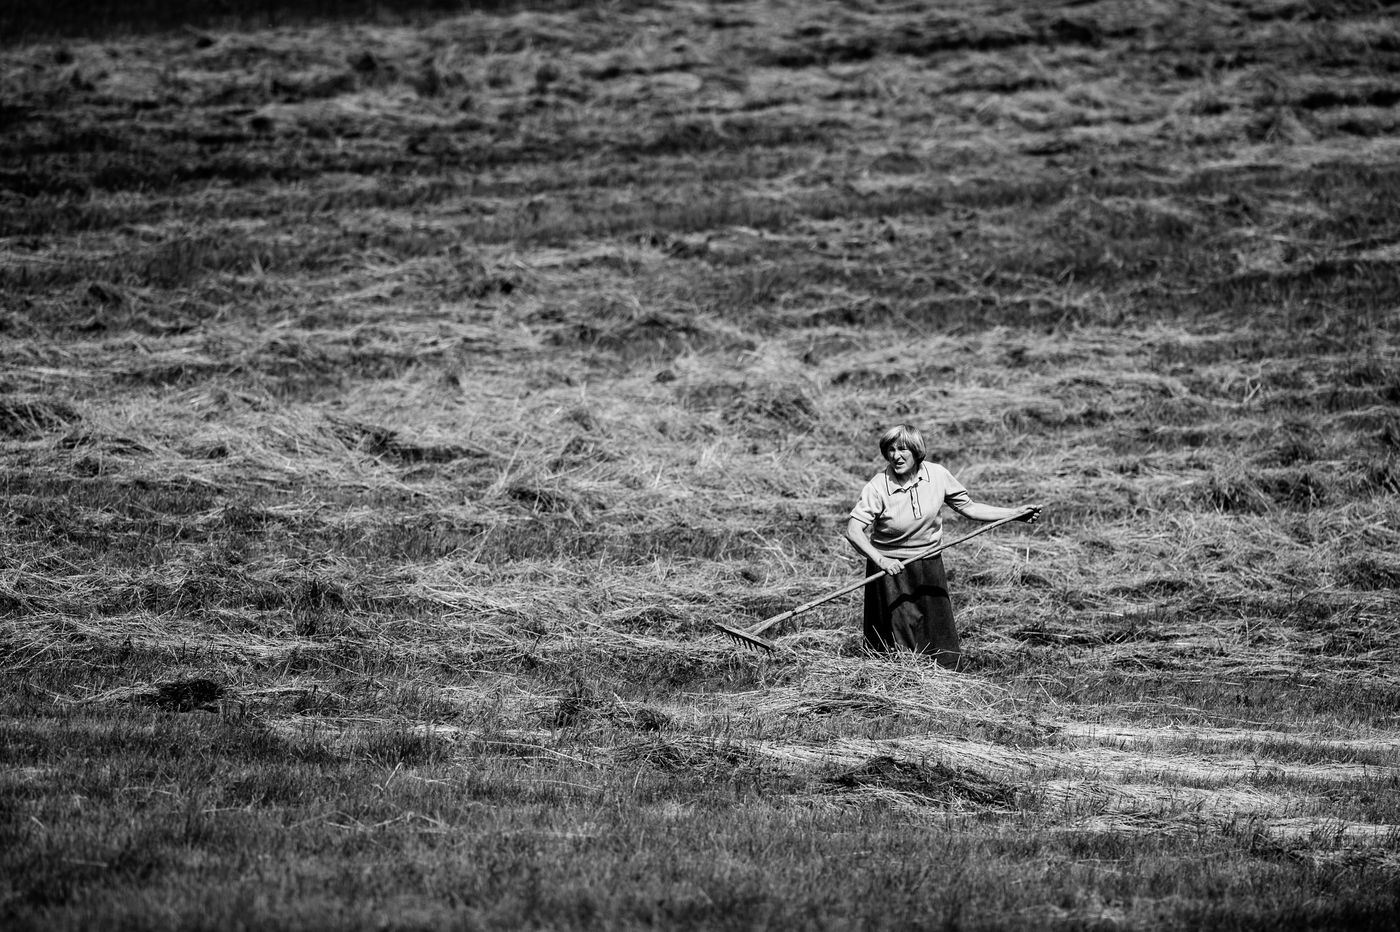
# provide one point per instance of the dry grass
(389, 409)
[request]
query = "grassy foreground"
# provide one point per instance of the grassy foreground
(388, 411)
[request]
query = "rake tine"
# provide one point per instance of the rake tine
(745, 639)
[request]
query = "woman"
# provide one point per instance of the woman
(896, 518)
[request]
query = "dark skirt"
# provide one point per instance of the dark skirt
(912, 612)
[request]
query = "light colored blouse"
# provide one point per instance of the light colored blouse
(905, 519)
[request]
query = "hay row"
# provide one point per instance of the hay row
(1146, 737)
(912, 776)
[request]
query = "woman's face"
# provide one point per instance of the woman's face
(901, 460)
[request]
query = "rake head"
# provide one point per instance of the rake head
(744, 639)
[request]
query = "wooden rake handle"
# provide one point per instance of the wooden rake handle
(933, 551)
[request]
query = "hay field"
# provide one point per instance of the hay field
(389, 408)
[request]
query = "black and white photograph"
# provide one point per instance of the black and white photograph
(699, 465)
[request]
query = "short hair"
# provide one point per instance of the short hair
(906, 436)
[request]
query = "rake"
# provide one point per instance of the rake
(751, 638)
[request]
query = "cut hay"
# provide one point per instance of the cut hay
(690, 755)
(29, 418)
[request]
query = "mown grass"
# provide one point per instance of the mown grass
(390, 405)
(465, 835)
(68, 18)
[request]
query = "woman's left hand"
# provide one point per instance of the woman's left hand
(1031, 514)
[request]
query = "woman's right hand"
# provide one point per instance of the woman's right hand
(892, 567)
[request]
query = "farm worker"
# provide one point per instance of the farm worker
(897, 517)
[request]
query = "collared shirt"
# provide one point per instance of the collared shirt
(905, 519)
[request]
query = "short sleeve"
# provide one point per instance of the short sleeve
(869, 506)
(954, 493)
